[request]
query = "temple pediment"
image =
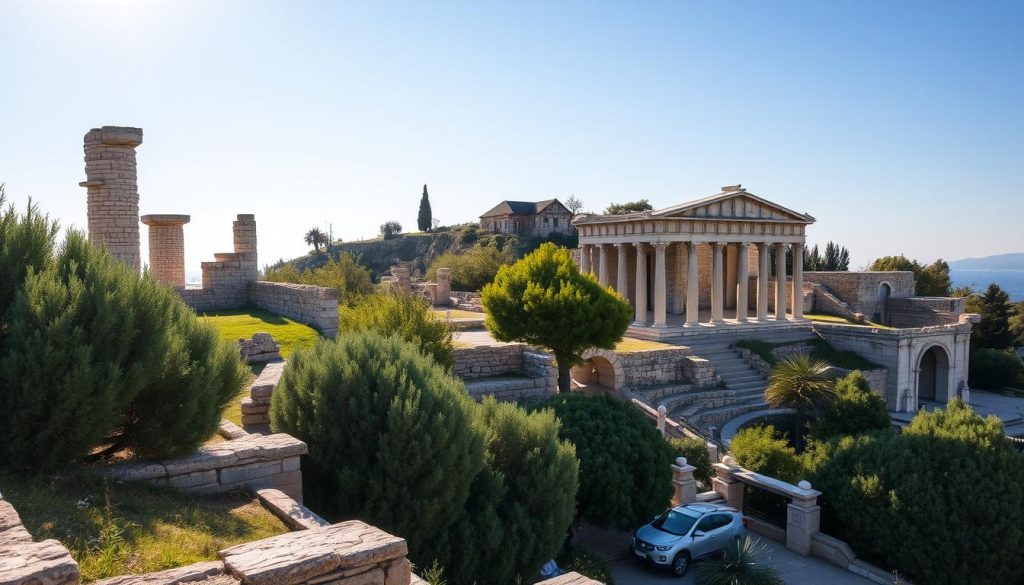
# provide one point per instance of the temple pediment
(732, 204)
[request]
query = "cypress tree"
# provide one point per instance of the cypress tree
(424, 218)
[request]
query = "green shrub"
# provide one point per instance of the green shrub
(911, 501)
(391, 437)
(625, 465)
(397, 313)
(992, 369)
(695, 450)
(344, 273)
(856, 409)
(739, 564)
(472, 269)
(26, 242)
(760, 449)
(96, 355)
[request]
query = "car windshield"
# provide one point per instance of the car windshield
(677, 522)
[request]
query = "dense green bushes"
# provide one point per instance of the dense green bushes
(395, 440)
(940, 501)
(472, 269)
(344, 273)
(762, 450)
(625, 465)
(695, 450)
(92, 355)
(992, 369)
(407, 316)
(856, 409)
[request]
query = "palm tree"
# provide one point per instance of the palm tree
(803, 384)
(738, 565)
(315, 237)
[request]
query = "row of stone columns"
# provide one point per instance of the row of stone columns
(692, 279)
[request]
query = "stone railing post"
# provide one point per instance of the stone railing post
(725, 483)
(685, 485)
(662, 415)
(803, 519)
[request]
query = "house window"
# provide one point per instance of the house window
(545, 221)
(556, 222)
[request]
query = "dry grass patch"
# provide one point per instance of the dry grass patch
(628, 344)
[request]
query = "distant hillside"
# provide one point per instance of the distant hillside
(996, 262)
(420, 248)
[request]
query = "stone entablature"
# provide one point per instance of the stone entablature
(249, 462)
(699, 254)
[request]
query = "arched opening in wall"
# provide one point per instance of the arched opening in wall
(594, 376)
(933, 375)
(884, 292)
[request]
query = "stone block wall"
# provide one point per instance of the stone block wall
(316, 306)
(643, 369)
(488, 361)
(925, 311)
(256, 407)
(863, 290)
(248, 462)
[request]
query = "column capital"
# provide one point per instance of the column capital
(661, 246)
(743, 245)
(622, 245)
(719, 245)
(780, 245)
(640, 245)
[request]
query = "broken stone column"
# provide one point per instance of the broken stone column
(444, 287)
(167, 248)
(402, 280)
(113, 199)
(244, 232)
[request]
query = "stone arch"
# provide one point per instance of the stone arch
(884, 293)
(601, 368)
(933, 365)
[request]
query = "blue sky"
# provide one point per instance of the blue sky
(896, 124)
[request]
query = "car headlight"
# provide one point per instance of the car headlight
(664, 548)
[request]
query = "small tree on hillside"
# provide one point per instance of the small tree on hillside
(315, 237)
(994, 328)
(423, 220)
(629, 207)
(544, 300)
(390, 229)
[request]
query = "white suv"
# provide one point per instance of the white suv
(686, 533)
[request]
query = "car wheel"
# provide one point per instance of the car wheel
(680, 564)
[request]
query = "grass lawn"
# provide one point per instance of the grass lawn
(235, 325)
(457, 314)
(119, 528)
(627, 344)
(826, 318)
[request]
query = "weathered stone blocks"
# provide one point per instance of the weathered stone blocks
(260, 348)
(113, 191)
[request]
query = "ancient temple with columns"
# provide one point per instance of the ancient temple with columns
(707, 263)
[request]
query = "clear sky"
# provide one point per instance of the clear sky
(898, 125)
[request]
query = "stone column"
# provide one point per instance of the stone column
(742, 281)
(585, 259)
(780, 282)
(798, 281)
(803, 520)
(762, 282)
(167, 248)
(660, 284)
(717, 285)
(602, 265)
(678, 302)
(113, 191)
(444, 287)
(692, 286)
(683, 481)
(622, 284)
(641, 284)
(244, 232)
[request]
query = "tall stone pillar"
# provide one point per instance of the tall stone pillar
(603, 276)
(244, 231)
(717, 283)
(678, 291)
(444, 287)
(660, 285)
(798, 281)
(692, 286)
(780, 282)
(762, 282)
(641, 284)
(585, 259)
(622, 284)
(167, 248)
(113, 191)
(742, 282)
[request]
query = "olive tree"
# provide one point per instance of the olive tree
(544, 300)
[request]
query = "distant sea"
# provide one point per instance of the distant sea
(1011, 281)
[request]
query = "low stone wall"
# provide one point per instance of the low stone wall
(536, 378)
(25, 562)
(656, 367)
(251, 461)
(256, 406)
(316, 306)
(488, 361)
(925, 311)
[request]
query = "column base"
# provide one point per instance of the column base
(741, 319)
(660, 325)
(692, 325)
(641, 324)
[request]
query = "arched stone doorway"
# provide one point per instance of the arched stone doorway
(884, 292)
(599, 372)
(933, 375)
